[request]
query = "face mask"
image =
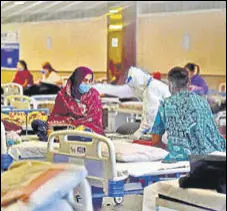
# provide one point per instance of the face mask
(21, 69)
(43, 71)
(84, 88)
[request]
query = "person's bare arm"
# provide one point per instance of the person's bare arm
(25, 83)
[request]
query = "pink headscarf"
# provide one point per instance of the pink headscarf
(72, 86)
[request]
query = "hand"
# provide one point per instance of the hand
(38, 82)
(83, 108)
(137, 135)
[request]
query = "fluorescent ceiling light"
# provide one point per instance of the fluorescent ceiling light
(19, 2)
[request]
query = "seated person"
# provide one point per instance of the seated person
(50, 83)
(151, 92)
(23, 75)
(50, 75)
(78, 104)
(188, 121)
(198, 84)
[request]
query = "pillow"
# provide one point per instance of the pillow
(129, 152)
(128, 128)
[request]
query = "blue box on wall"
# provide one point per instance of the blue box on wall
(9, 55)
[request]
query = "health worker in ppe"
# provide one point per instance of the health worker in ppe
(151, 92)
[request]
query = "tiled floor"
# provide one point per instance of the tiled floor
(131, 203)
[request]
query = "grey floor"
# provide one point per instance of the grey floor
(131, 203)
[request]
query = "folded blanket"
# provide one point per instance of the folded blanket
(38, 184)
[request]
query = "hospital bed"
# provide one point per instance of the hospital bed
(114, 179)
(168, 196)
(18, 101)
(121, 113)
(12, 89)
(44, 101)
(25, 116)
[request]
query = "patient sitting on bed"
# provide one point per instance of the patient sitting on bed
(188, 121)
(78, 104)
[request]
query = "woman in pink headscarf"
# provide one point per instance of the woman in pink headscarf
(77, 104)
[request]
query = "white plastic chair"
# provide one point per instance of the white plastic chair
(18, 101)
(12, 89)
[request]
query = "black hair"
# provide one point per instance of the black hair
(179, 77)
(24, 64)
(192, 67)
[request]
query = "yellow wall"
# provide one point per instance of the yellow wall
(7, 75)
(159, 43)
(74, 43)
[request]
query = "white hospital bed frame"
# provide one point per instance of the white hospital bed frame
(82, 152)
(10, 86)
(38, 100)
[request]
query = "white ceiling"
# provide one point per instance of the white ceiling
(29, 11)
(23, 11)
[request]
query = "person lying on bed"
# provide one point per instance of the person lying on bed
(188, 121)
(151, 92)
(78, 104)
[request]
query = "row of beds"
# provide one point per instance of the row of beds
(115, 179)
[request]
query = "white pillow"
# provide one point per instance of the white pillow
(129, 152)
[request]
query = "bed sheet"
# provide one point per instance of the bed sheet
(205, 198)
(30, 149)
(139, 169)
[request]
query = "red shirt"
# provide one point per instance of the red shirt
(22, 76)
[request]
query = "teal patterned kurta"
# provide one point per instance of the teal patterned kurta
(190, 126)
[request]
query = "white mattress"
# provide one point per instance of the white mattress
(204, 198)
(30, 149)
(152, 168)
(37, 149)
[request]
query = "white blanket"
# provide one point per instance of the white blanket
(204, 198)
(30, 149)
(152, 168)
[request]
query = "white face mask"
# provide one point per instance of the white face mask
(21, 69)
(43, 71)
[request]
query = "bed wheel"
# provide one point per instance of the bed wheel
(118, 200)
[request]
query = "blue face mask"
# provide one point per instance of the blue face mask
(84, 88)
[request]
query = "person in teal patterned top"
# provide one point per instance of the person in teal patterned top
(188, 120)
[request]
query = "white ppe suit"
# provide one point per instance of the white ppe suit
(151, 92)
